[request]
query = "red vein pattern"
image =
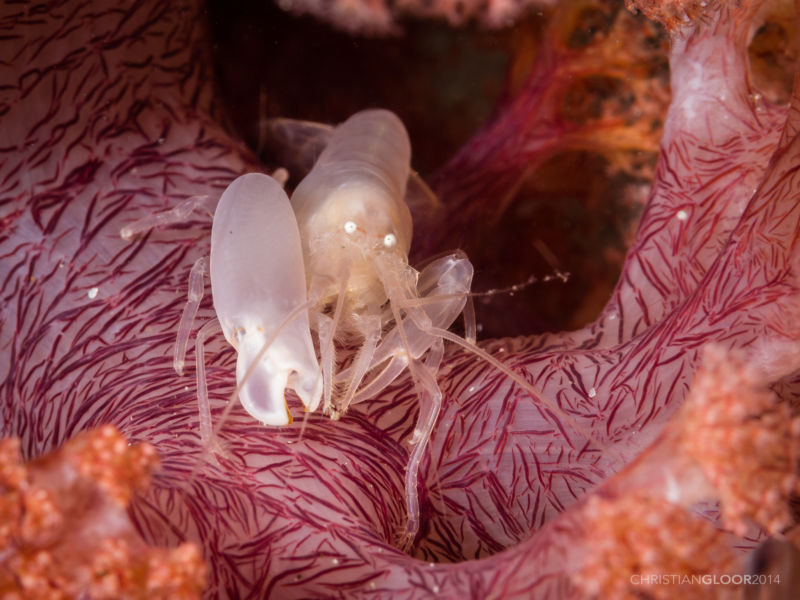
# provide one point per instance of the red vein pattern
(108, 114)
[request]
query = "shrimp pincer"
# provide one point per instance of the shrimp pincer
(259, 292)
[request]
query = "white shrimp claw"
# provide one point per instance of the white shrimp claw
(259, 287)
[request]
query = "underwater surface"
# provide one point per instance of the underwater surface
(624, 186)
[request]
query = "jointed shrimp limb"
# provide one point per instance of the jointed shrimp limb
(327, 327)
(327, 358)
(207, 438)
(447, 296)
(177, 215)
(470, 326)
(430, 402)
(255, 223)
(258, 281)
(429, 407)
(370, 327)
(194, 297)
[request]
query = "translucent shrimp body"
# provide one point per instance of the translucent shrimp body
(356, 232)
(257, 281)
(351, 206)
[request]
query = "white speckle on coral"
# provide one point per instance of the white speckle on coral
(673, 490)
(592, 392)
(93, 293)
(682, 215)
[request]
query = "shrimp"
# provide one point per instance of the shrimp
(331, 263)
(356, 235)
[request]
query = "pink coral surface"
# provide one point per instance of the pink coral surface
(108, 113)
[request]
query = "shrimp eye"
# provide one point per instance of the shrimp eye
(350, 227)
(390, 240)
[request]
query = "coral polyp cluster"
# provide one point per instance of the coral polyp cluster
(733, 442)
(640, 535)
(381, 16)
(674, 13)
(745, 441)
(65, 533)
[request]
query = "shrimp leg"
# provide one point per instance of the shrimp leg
(327, 348)
(414, 341)
(178, 214)
(327, 356)
(371, 330)
(430, 405)
(204, 406)
(194, 296)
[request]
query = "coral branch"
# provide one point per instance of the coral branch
(580, 95)
(380, 16)
(746, 442)
(733, 441)
(64, 532)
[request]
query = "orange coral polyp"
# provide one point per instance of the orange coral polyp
(52, 508)
(744, 440)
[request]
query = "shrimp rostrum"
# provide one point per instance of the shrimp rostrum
(296, 283)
